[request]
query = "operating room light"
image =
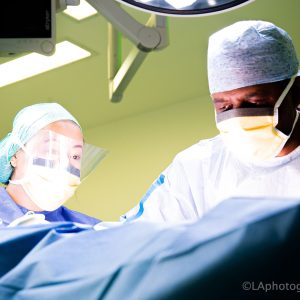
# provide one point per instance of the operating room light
(80, 12)
(211, 2)
(185, 7)
(34, 63)
(180, 3)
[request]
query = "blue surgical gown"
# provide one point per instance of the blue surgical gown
(9, 211)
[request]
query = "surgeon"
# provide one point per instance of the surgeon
(255, 88)
(42, 163)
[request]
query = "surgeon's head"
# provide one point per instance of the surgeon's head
(40, 160)
(254, 84)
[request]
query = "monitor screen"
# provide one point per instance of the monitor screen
(25, 19)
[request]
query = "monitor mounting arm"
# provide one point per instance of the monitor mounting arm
(146, 38)
(62, 4)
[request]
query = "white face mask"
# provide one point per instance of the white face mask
(48, 188)
(52, 169)
(251, 133)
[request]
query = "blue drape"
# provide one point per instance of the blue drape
(241, 240)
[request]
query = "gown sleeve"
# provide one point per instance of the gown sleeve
(169, 198)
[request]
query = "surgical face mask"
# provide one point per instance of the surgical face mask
(251, 133)
(54, 166)
(48, 188)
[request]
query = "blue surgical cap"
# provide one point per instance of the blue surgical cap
(26, 124)
(248, 53)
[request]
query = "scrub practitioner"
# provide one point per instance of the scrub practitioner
(255, 88)
(41, 165)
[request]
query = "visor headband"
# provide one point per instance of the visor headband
(50, 164)
(244, 112)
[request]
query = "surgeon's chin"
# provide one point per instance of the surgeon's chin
(20, 197)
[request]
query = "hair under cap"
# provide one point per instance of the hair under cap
(26, 124)
(248, 53)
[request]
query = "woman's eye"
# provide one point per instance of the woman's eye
(76, 157)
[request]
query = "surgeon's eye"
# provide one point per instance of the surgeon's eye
(260, 103)
(76, 157)
(223, 108)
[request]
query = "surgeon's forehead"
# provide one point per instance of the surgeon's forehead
(266, 90)
(48, 138)
(66, 128)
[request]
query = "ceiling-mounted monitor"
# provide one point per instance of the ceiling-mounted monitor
(27, 26)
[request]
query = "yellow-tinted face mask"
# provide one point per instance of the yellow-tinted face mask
(251, 133)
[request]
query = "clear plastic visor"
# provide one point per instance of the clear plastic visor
(58, 152)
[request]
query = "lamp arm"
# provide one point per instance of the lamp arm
(144, 37)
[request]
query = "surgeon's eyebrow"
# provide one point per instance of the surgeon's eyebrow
(258, 94)
(217, 100)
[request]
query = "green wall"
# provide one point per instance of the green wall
(140, 148)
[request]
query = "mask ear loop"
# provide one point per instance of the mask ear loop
(16, 140)
(277, 105)
(296, 119)
(216, 118)
(280, 99)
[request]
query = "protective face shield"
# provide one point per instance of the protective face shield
(55, 166)
(251, 133)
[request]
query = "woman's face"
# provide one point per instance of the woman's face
(66, 128)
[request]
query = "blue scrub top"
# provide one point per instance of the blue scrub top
(9, 211)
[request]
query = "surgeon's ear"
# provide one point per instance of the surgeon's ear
(13, 161)
(296, 92)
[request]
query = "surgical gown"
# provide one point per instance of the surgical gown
(9, 211)
(207, 173)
